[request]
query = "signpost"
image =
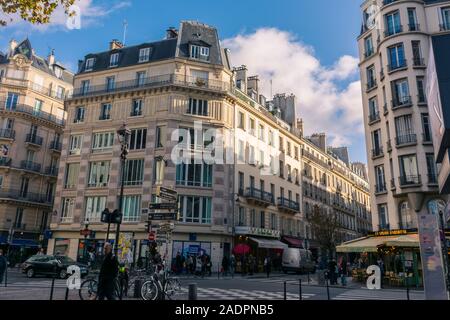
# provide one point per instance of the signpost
(162, 216)
(166, 193)
(164, 206)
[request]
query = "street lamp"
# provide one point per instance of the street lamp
(124, 136)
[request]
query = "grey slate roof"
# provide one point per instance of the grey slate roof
(26, 49)
(189, 33)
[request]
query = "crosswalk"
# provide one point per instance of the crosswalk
(289, 280)
(38, 284)
(366, 294)
(240, 294)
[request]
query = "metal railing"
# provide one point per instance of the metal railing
(259, 194)
(396, 30)
(372, 83)
(377, 152)
(397, 65)
(56, 145)
(414, 27)
(29, 110)
(35, 87)
(406, 139)
(374, 117)
(405, 101)
(5, 162)
(34, 139)
(30, 166)
(156, 81)
(51, 171)
(21, 195)
(409, 180)
(380, 188)
(432, 178)
(7, 133)
(289, 204)
(419, 62)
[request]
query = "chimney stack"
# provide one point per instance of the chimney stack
(171, 33)
(12, 47)
(115, 44)
(51, 58)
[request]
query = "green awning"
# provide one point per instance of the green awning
(368, 244)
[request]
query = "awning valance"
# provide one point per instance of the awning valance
(269, 244)
(293, 242)
(371, 244)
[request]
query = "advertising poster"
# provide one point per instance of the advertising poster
(125, 252)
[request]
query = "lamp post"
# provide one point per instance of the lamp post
(124, 135)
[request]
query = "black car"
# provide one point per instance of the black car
(51, 265)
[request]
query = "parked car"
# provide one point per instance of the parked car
(297, 260)
(51, 265)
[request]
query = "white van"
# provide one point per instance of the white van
(297, 260)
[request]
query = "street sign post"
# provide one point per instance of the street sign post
(166, 193)
(162, 216)
(163, 206)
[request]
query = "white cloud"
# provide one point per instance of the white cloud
(329, 98)
(90, 14)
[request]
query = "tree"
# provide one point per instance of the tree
(34, 11)
(326, 229)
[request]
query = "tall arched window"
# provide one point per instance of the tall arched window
(407, 217)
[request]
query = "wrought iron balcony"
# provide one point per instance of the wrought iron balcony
(51, 171)
(397, 65)
(444, 26)
(21, 195)
(30, 166)
(380, 188)
(432, 178)
(402, 102)
(419, 62)
(377, 152)
(395, 30)
(288, 205)
(7, 134)
(34, 139)
(29, 110)
(5, 162)
(259, 196)
(410, 138)
(56, 146)
(414, 27)
(408, 180)
(371, 84)
(374, 117)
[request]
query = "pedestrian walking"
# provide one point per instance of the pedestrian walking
(178, 263)
(332, 266)
(3, 265)
(343, 272)
(190, 264)
(225, 265)
(108, 274)
(232, 264)
(251, 267)
(267, 265)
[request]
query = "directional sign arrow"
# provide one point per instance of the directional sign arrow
(163, 206)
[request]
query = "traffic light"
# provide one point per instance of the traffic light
(106, 216)
(116, 217)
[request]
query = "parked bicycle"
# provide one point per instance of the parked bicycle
(89, 289)
(162, 285)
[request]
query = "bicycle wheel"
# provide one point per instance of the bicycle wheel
(173, 286)
(149, 290)
(88, 290)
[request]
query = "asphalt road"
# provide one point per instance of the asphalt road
(211, 288)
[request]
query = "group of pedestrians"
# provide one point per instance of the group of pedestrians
(338, 270)
(199, 265)
(228, 265)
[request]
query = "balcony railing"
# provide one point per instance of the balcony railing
(156, 81)
(444, 26)
(372, 83)
(405, 101)
(34, 139)
(35, 87)
(426, 138)
(419, 62)
(380, 188)
(421, 99)
(377, 152)
(25, 196)
(384, 226)
(5, 162)
(432, 178)
(288, 204)
(397, 65)
(30, 166)
(374, 117)
(397, 29)
(257, 194)
(51, 171)
(410, 138)
(409, 180)
(414, 27)
(369, 53)
(56, 145)
(7, 133)
(29, 110)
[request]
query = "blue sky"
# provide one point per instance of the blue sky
(323, 29)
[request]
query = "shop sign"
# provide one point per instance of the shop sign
(390, 233)
(257, 232)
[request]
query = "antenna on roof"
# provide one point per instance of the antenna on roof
(125, 25)
(271, 94)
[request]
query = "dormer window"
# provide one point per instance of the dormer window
(58, 72)
(200, 53)
(114, 60)
(89, 64)
(144, 55)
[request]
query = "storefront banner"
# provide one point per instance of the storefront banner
(125, 252)
(431, 253)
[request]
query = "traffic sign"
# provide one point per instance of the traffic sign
(166, 193)
(163, 206)
(162, 216)
(151, 236)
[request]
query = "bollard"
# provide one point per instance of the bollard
(328, 287)
(218, 271)
(6, 275)
(67, 294)
(192, 291)
(285, 297)
(300, 296)
(137, 288)
(407, 289)
(53, 282)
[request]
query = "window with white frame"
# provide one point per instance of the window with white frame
(98, 174)
(251, 155)
(79, 114)
(105, 111)
(114, 60)
(199, 52)
(195, 209)
(198, 107)
(193, 174)
(144, 54)
(131, 208)
(75, 144)
(134, 172)
(241, 120)
(138, 139)
(261, 132)
(242, 217)
(94, 208)
(67, 209)
(89, 64)
(136, 108)
(102, 141)
(241, 150)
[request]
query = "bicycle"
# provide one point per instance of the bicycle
(157, 288)
(89, 289)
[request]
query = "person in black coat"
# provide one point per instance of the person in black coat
(3, 265)
(108, 274)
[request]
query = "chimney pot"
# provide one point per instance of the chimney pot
(115, 44)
